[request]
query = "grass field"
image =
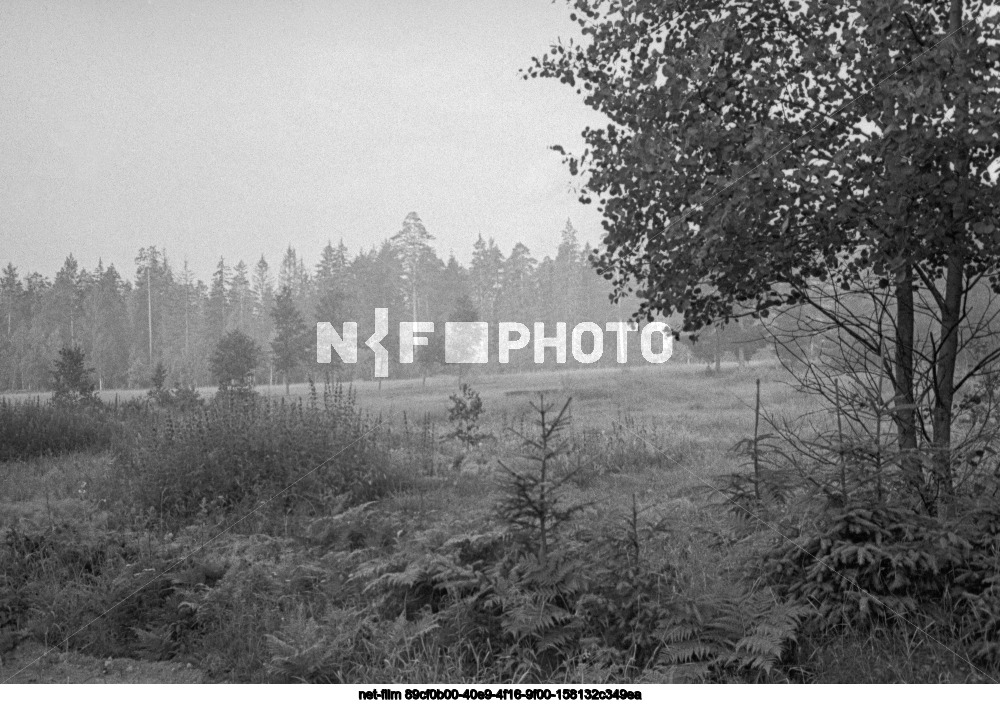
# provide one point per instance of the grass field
(653, 439)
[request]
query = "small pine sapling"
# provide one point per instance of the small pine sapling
(533, 501)
(464, 413)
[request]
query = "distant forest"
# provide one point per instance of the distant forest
(164, 315)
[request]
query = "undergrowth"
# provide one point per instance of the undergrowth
(526, 583)
(241, 454)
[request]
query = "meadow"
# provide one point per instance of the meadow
(351, 535)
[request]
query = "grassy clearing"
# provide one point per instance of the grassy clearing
(408, 572)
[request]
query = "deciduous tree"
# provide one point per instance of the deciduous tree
(759, 155)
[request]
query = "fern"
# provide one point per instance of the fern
(538, 603)
(744, 634)
(425, 577)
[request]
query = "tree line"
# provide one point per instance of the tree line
(164, 315)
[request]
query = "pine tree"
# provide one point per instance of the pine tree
(72, 380)
(66, 302)
(291, 273)
(332, 305)
(11, 292)
(412, 243)
(290, 346)
(233, 363)
(464, 312)
(518, 285)
(567, 266)
(106, 318)
(332, 263)
(218, 303)
(240, 296)
(486, 277)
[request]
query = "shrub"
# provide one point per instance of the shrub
(181, 398)
(54, 582)
(867, 565)
(464, 413)
(297, 457)
(35, 429)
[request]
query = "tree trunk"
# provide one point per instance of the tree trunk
(718, 351)
(951, 313)
(944, 392)
(904, 413)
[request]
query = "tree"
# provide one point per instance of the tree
(761, 155)
(290, 346)
(378, 283)
(263, 299)
(332, 263)
(153, 278)
(568, 265)
(486, 277)
(106, 317)
(67, 301)
(11, 305)
(331, 307)
(449, 285)
(412, 243)
(464, 312)
(73, 383)
(233, 362)
(218, 304)
(292, 273)
(739, 338)
(38, 343)
(518, 296)
(240, 295)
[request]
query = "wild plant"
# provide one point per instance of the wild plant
(765, 482)
(464, 413)
(180, 398)
(34, 429)
(534, 496)
(235, 453)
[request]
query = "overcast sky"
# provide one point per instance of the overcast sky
(215, 128)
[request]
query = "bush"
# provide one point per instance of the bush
(181, 398)
(34, 430)
(53, 582)
(464, 413)
(866, 565)
(232, 455)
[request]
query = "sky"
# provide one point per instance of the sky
(212, 128)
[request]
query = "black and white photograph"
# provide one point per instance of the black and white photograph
(500, 349)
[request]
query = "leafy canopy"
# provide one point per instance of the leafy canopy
(753, 148)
